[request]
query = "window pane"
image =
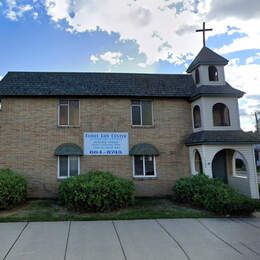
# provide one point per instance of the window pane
(136, 115)
(63, 166)
(74, 112)
(226, 117)
(213, 73)
(149, 166)
(63, 115)
(74, 170)
(221, 115)
(147, 112)
(138, 162)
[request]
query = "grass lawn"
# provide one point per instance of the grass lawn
(144, 208)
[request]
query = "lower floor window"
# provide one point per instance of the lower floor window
(144, 166)
(68, 166)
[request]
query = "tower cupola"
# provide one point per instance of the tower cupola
(208, 67)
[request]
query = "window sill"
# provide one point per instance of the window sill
(221, 125)
(143, 178)
(68, 126)
(239, 176)
(62, 178)
(142, 126)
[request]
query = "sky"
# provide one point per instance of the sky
(142, 36)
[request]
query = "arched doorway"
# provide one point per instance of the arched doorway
(219, 166)
(229, 163)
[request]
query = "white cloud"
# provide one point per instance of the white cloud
(158, 30)
(58, 9)
(35, 15)
(162, 30)
(94, 59)
(15, 10)
(246, 78)
(142, 64)
(236, 8)
(252, 59)
(114, 58)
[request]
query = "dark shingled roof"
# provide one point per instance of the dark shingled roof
(144, 149)
(96, 84)
(108, 84)
(207, 57)
(68, 149)
(216, 90)
(222, 137)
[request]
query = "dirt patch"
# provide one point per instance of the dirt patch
(15, 210)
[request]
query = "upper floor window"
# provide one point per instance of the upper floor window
(196, 117)
(221, 115)
(68, 112)
(142, 114)
(197, 76)
(213, 73)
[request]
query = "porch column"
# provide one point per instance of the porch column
(252, 174)
(207, 157)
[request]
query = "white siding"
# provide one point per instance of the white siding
(206, 104)
(204, 76)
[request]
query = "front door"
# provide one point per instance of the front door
(219, 166)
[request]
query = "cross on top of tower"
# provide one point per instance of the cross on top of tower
(204, 30)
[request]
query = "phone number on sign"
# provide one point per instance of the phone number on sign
(108, 152)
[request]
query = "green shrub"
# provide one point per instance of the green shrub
(96, 191)
(212, 195)
(13, 189)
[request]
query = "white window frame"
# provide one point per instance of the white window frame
(68, 100)
(144, 176)
(58, 166)
(235, 174)
(141, 112)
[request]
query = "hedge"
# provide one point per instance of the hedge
(13, 189)
(212, 195)
(96, 191)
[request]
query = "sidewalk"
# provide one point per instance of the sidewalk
(136, 239)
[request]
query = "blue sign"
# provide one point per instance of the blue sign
(106, 143)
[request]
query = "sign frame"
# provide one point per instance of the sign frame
(106, 143)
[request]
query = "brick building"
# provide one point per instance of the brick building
(151, 128)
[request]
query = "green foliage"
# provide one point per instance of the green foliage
(96, 191)
(212, 195)
(13, 189)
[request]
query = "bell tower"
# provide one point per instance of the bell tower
(214, 102)
(208, 67)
